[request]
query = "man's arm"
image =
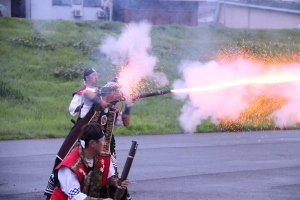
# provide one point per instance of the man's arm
(126, 113)
(95, 99)
(127, 110)
(70, 185)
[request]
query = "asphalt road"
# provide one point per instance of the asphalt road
(225, 166)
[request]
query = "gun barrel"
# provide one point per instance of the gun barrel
(154, 93)
(143, 95)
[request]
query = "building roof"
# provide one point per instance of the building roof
(265, 6)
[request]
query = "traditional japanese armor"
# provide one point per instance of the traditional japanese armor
(93, 181)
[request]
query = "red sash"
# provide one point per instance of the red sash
(79, 91)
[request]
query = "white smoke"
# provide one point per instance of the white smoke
(130, 51)
(289, 114)
(230, 101)
(159, 78)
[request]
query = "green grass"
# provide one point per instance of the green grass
(34, 100)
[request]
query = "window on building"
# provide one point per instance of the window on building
(77, 2)
(18, 8)
(62, 2)
(92, 3)
(85, 3)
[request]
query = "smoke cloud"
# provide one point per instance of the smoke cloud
(216, 103)
(130, 51)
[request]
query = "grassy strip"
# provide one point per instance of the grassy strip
(41, 61)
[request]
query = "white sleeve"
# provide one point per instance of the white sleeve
(119, 121)
(76, 101)
(111, 170)
(69, 184)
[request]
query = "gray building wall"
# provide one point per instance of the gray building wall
(45, 10)
(240, 16)
(5, 8)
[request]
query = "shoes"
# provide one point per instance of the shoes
(128, 197)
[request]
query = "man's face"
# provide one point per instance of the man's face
(99, 145)
(92, 79)
(113, 96)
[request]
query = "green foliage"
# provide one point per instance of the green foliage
(34, 42)
(81, 45)
(70, 71)
(42, 62)
(7, 92)
(103, 26)
(207, 126)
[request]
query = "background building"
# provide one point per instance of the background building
(158, 12)
(258, 14)
(58, 9)
(274, 14)
(183, 12)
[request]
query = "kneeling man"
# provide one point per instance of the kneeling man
(87, 172)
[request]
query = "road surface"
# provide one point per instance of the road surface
(226, 166)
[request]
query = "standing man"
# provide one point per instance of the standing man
(112, 115)
(84, 98)
(106, 6)
(86, 173)
(84, 109)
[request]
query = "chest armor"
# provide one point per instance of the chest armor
(106, 118)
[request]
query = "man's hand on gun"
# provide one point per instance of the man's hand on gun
(104, 104)
(124, 184)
